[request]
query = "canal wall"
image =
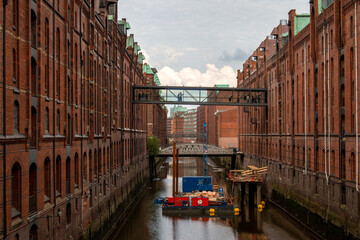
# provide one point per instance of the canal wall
(330, 209)
(112, 211)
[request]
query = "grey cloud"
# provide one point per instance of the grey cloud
(238, 55)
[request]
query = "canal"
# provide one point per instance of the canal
(147, 222)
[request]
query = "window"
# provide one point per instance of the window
(16, 118)
(58, 121)
(85, 167)
(16, 189)
(47, 79)
(68, 213)
(33, 76)
(95, 164)
(76, 124)
(351, 26)
(91, 172)
(14, 66)
(58, 176)
(33, 140)
(32, 188)
(68, 163)
(33, 233)
(47, 35)
(77, 172)
(46, 120)
(57, 82)
(33, 29)
(15, 13)
(47, 179)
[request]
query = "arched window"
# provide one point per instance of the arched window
(47, 180)
(33, 76)
(46, 120)
(15, 13)
(91, 171)
(58, 59)
(33, 233)
(95, 164)
(16, 189)
(58, 121)
(76, 124)
(16, 118)
(58, 176)
(68, 172)
(77, 172)
(85, 167)
(351, 26)
(32, 188)
(69, 133)
(33, 140)
(33, 29)
(47, 34)
(57, 82)
(14, 67)
(68, 213)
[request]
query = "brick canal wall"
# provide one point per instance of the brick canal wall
(309, 198)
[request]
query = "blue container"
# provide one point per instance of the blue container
(190, 184)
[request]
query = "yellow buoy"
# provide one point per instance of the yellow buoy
(263, 203)
(212, 214)
(236, 210)
(212, 210)
(260, 208)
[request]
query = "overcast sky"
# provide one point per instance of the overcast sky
(202, 42)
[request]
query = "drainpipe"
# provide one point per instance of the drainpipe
(328, 102)
(4, 118)
(305, 90)
(324, 110)
(356, 100)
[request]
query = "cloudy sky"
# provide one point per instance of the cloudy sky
(202, 42)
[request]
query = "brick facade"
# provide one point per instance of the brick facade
(307, 135)
(71, 141)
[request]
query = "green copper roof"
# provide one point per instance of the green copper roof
(324, 4)
(138, 48)
(221, 85)
(124, 25)
(300, 22)
(141, 58)
(147, 69)
(156, 79)
(130, 41)
(177, 109)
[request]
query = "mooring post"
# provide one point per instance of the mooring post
(233, 161)
(177, 172)
(236, 196)
(173, 170)
(258, 194)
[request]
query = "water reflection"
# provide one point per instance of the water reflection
(147, 221)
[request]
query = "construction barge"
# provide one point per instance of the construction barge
(199, 198)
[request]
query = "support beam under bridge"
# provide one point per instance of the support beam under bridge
(199, 96)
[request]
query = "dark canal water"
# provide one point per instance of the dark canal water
(148, 223)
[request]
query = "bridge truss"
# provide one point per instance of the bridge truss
(199, 96)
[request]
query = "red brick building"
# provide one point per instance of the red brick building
(156, 113)
(71, 141)
(308, 136)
